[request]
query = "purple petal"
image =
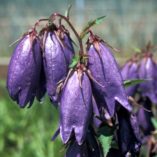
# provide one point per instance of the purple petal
(96, 114)
(105, 70)
(56, 62)
(147, 70)
(144, 117)
(75, 108)
(24, 71)
(128, 133)
(75, 150)
(130, 71)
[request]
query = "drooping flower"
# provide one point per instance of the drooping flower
(58, 52)
(75, 107)
(105, 71)
(147, 70)
(129, 137)
(130, 71)
(144, 116)
(24, 70)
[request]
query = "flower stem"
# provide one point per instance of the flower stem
(37, 23)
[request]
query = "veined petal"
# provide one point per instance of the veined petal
(75, 108)
(24, 70)
(105, 70)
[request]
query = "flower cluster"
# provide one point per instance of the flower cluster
(143, 66)
(88, 93)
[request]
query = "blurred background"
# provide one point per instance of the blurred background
(129, 24)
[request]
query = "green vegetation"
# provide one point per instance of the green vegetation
(27, 132)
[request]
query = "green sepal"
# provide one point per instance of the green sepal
(74, 61)
(105, 138)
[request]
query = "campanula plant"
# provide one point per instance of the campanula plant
(86, 85)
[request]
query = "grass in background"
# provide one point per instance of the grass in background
(27, 132)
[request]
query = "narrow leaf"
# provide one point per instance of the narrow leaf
(74, 61)
(154, 121)
(90, 24)
(132, 82)
(67, 12)
(136, 49)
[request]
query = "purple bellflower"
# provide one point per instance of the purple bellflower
(147, 70)
(129, 137)
(75, 107)
(130, 71)
(24, 70)
(105, 71)
(144, 116)
(58, 52)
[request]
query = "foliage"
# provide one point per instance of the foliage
(28, 132)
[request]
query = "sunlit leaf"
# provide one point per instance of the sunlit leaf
(67, 12)
(154, 121)
(91, 24)
(128, 83)
(136, 49)
(105, 138)
(74, 61)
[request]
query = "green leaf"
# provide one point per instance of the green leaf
(132, 82)
(74, 61)
(105, 138)
(154, 121)
(105, 143)
(136, 49)
(90, 24)
(67, 12)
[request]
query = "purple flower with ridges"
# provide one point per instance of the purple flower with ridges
(129, 137)
(58, 53)
(130, 71)
(147, 70)
(144, 116)
(75, 107)
(24, 70)
(105, 71)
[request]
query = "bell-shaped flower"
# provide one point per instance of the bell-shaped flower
(75, 107)
(130, 71)
(144, 116)
(24, 70)
(108, 85)
(129, 137)
(58, 52)
(147, 70)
